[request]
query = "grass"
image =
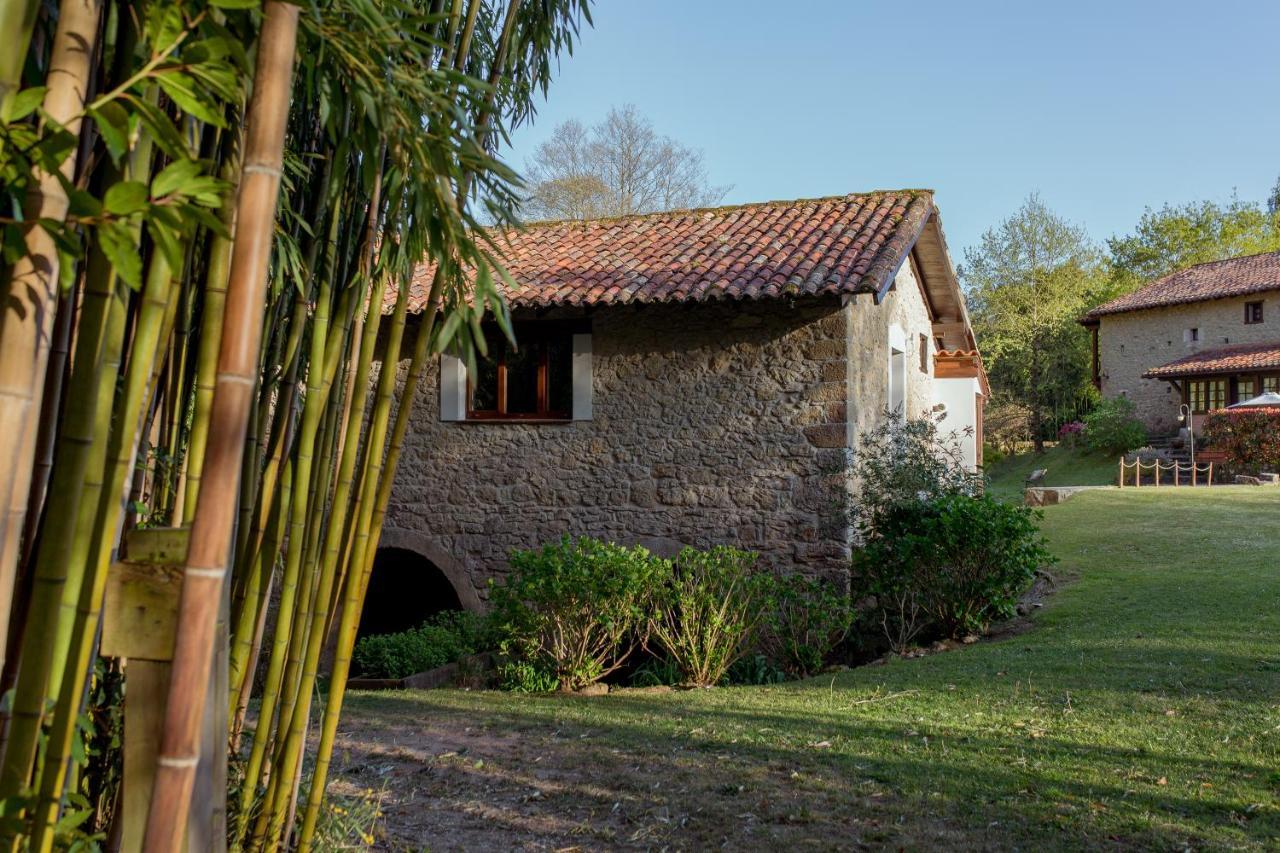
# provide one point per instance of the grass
(1140, 711)
(1067, 466)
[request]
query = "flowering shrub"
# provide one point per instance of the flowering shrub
(1071, 433)
(1249, 437)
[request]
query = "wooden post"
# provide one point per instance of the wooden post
(1193, 473)
(139, 620)
(1177, 469)
(1210, 474)
(1122, 472)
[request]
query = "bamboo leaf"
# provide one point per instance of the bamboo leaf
(160, 126)
(113, 125)
(191, 98)
(235, 4)
(26, 101)
(125, 198)
(173, 177)
(117, 244)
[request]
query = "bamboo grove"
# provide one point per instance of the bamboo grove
(211, 216)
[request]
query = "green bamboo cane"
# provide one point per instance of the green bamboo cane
(247, 636)
(352, 600)
(211, 316)
(315, 640)
(65, 541)
(313, 408)
(17, 21)
(155, 313)
(29, 288)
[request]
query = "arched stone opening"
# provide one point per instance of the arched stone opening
(405, 589)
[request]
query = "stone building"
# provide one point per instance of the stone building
(693, 377)
(1206, 337)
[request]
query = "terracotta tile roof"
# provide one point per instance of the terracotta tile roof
(1215, 280)
(1233, 359)
(841, 244)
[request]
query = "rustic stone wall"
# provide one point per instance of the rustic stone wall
(713, 423)
(1130, 344)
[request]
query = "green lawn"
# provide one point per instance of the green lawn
(1141, 710)
(1066, 466)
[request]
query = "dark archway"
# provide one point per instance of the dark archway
(405, 589)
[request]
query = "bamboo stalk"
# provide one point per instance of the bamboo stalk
(30, 290)
(211, 534)
(155, 313)
(353, 599)
(65, 542)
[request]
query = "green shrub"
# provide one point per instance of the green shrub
(707, 616)
(442, 639)
(656, 672)
(980, 555)
(1114, 427)
(576, 609)
(807, 619)
(753, 670)
(523, 677)
(953, 563)
(936, 555)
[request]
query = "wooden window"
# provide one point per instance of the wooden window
(1244, 388)
(924, 353)
(1271, 383)
(1253, 312)
(1204, 395)
(1193, 334)
(533, 381)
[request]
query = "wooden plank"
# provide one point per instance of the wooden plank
(157, 546)
(147, 685)
(140, 611)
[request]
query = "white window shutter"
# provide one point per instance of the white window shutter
(453, 389)
(582, 377)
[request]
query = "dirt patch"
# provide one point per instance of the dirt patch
(455, 782)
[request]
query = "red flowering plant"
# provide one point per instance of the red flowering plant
(1070, 433)
(1249, 437)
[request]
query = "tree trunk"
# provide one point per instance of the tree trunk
(211, 533)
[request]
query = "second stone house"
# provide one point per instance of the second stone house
(686, 378)
(1205, 337)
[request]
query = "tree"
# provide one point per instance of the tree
(615, 168)
(1173, 238)
(1027, 282)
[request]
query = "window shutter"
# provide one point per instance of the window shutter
(582, 377)
(453, 389)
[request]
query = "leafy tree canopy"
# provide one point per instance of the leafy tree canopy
(1175, 237)
(1027, 282)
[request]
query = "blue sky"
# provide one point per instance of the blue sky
(1103, 108)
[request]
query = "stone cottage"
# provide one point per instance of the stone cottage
(1206, 337)
(692, 377)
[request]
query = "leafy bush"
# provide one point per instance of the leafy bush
(1250, 437)
(980, 555)
(442, 639)
(807, 619)
(953, 563)
(1005, 423)
(656, 672)
(905, 461)
(707, 616)
(754, 669)
(935, 553)
(524, 677)
(576, 609)
(1113, 426)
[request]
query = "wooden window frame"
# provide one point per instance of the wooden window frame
(533, 335)
(924, 353)
(1249, 315)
